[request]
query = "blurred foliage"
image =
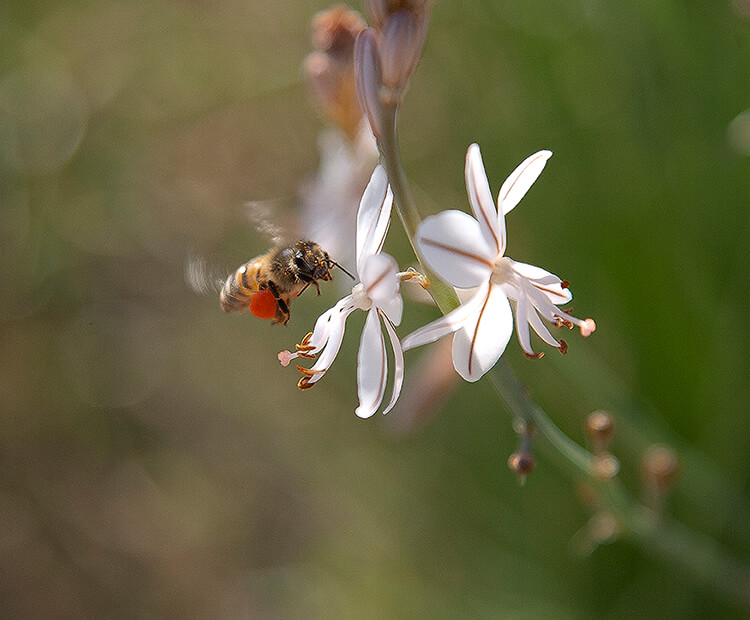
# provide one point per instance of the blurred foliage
(156, 460)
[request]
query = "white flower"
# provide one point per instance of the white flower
(468, 252)
(378, 294)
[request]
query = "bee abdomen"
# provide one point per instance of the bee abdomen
(238, 288)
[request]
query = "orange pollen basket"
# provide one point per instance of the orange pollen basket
(263, 305)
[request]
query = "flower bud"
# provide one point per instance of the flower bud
(380, 10)
(401, 45)
(600, 428)
(329, 70)
(368, 78)
(659, 467)
(523, 463)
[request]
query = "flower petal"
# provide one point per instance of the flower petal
(452, 244)
(379, 277)
(372, 367)
(481, 341)
(547, 283)
(541, 329)
(520, 180)
(373, 216)
(445, 325)
(398, 365)
(522, 324)
(480, 197)
(334, 334)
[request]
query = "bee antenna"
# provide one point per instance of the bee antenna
(335, 264)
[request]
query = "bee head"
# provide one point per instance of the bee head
(312, 261)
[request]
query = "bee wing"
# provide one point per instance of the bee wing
(270, 221)
(201, 277)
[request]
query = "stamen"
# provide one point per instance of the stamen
(563, 346)
(534, 356)
(411, 275)
(307, 371)
(563, 322)
(564, 284)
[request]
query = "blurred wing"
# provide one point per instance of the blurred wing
(200, 277)
(272, 220)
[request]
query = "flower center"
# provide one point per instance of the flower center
(360, 298)
(502, 271)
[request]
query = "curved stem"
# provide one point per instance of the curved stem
(443, 295)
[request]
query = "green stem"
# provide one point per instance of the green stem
(656, 534)
(443, 295)
(515, 396)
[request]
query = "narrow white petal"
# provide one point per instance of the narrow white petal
(321, 331)
(335, 335)
(541, 329)
(372, 367)
(480, 198)
(379, 277)
(445, 325)
(398, 365)
(479, 343)
(522, 324)
(452, 244)
(393, 309)
(547, 283)
(520, 180)
(373, 216)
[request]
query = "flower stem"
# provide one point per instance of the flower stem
(443, 295)
(667, 538)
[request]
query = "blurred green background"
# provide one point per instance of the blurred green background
(156, 461)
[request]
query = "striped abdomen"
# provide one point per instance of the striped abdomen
(239, 287)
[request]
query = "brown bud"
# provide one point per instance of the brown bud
(660, 467)
(606, 466)
(335, 30)
(329, 70)
(523, 463)
(600, 428)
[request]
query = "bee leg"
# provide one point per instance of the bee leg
(309, 281)
(282, 308)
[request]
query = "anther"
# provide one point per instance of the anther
(304, 383)
(534, 356)
(563, 346)
(564, 284)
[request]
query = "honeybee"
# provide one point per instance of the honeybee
(266, 284)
